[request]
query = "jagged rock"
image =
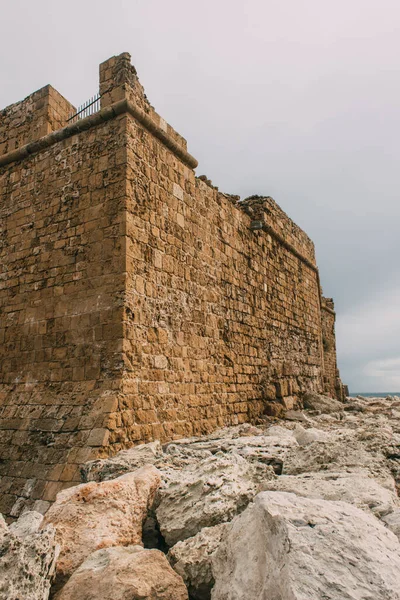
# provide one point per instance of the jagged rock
(191, 559)
(207, 493)
(355, 488)
(254, 444)
(174, 456)
(124, 573)
(337, 454)
(27, 524)
(307, 436)
(296, 415)
(291, 548)
(177, 456)
(97, 515)
(269, 447)
(322, 404)
(27, 558)
(392, 520)
(123, 462)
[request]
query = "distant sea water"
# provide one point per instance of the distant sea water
(374, 394)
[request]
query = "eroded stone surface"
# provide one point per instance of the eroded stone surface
(27, 558)
(192, 560)
(97, 515)
(356, 488)
(322, 404)
(125, 461)
(292, 548)
(392, 520)
(124, 573)
(206, 494)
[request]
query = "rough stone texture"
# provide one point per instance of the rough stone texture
(129, 573)
(332, 384)
(392, 520)
(27, 558)
(287, 547)
(268, 447)
(344, 453)
(206, 494)
(137, 302)
(39, 114)
(97, 515)
(355, 488)
(192, 560)
(308, 436)
(323, 404)
(125, 461)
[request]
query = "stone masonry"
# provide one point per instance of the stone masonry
(136, 300)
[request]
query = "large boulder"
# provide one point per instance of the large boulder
(210, 492)
(339, 453)
(124, 573)
(304, 437)
(97, 515)
(254, 444)
(27, 558)
(322, 404)
(269, 447)
(287, 547)
(126, 461)
(392, 520)
(356, 488)
(192, 560)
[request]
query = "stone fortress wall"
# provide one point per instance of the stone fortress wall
(136, 300)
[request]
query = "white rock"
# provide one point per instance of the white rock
(208, 493)
(191, 559)
(285, 547)
(392, 520)
(356, 488)
(124, 573)
(123, 462)
(27, 559)
(335, 455)
(28, 523)
(308, 436)
(323, 404)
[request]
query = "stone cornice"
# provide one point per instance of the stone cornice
(105, 114)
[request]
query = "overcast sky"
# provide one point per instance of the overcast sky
(297, 99)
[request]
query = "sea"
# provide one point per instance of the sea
(374, 394)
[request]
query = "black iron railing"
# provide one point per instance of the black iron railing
(89, 107)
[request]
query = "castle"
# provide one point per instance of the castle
(137, 302)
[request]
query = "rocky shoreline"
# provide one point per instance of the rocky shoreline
(300, 508)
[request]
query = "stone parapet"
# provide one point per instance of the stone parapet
(35, 117)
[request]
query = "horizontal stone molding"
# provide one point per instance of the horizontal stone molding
(105, 114)
(268, 229)
(329, 310)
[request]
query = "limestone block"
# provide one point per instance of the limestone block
(206, 494)
(308, 436)
(125, 461)
(192, 560)
(356, 488)
(287, 547)
(392, 521)
(97, 515)
(323, 404)
(123, 573)
(27, 558)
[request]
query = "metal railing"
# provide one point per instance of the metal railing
(89, 107)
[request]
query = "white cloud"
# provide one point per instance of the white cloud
(369, 343)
